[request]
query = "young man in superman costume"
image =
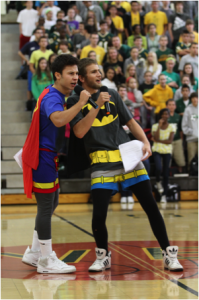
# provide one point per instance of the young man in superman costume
(40, 172)
(101, 135)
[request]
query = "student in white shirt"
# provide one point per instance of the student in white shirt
(27, 19)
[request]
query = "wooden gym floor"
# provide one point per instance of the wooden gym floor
(137, 271)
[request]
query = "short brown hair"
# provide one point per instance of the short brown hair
(83, 63)
(122, 86)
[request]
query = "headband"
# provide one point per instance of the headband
(171, 58)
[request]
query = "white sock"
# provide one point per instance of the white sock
(35, 242)
(46, 247)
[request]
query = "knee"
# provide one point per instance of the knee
(98, 220)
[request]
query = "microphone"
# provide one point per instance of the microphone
(107, 105)
(78, 89)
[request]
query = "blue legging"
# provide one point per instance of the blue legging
(165, 158)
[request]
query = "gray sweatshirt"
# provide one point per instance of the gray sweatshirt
(139, 68)
(190, 123)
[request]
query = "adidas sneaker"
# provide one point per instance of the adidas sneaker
(102, 262)
(160, 187)
(123, 200)
(51, 264)
(31, 257)
(130, 199)
(170, 259)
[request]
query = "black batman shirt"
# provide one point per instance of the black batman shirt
(106, 132)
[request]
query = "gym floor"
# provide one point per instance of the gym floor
(137, 269)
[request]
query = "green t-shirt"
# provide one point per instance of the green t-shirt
(172, 77)
(38, 85)
(180, 106)
(106, 132)
(55, 45)
(143, 53)
(104, 40)
(176, 119)
(162, 56)
(181, 46)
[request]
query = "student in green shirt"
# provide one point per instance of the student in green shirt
(105, 37)
(163, 52)
(41, 79)
(182, 48)
(143, 53)
(183, 102)
(172, 78)
(177, 144)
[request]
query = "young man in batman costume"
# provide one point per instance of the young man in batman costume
(97, 136)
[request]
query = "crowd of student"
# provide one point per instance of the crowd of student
(146, 50)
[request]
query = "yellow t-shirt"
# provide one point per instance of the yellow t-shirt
(126, 5)
(37, 54)
(159, 19)
(118, 22)
(135, 18)
(196, 37)
(163, 135)
(100, 52)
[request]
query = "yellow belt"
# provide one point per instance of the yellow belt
(49, 185)
(118, 178)
(105, 156)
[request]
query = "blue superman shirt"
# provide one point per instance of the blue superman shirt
(45, 178)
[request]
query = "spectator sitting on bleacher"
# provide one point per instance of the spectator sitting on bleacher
(190, 127)
(63, 48)
(28, 49)
(54, 9)
(159, 95)
(27, 19)
(41, 79)
(177, 144)
(185, 80)
(41, 52)
(190, 29)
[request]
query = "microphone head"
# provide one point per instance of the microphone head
(103, 89)
(78, 89)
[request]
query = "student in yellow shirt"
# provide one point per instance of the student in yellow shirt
(157, 17)
(37, 54)
(100, 52)
(118, 22)
(126, 5)
(190, 28)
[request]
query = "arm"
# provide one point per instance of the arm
(185, 123)
(165, 28)
(20, 28)
(61, 118)
(170, 31)
(148, 97)
(23, 57)
(31, 67)
(139, 134)
(83, 126)
(127, 34)
(166, 142)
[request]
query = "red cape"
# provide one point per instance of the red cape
(30, 153)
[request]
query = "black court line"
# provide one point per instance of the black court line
(185, 287)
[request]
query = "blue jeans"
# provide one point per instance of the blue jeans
(165, 158)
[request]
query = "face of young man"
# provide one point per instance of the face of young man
(116, 42)
(138, 43)
(185, 93)
(134, 7)
(162, 81)
(43, 43)
(38, 34)
(171, 106)
(69, 77)
(134, 54)
(94, 39)
(185, 38)
(179, 7)
(155, 6)
(122, 92)
(194, 50)
(93, 77)
(163, 42)
(71, 13)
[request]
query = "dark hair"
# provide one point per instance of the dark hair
(83, 63)
(94, 33)
(49, 59)
(191, 76)
(185, 31)
(193, 95)
(134, 2)
(170, 100)
(63, 43)
(60, 11)
(162, 111)
(185, 86)
(193, 44)
(135, 25)
(112, 28)
(59, 20)
(115, 76)
(137, 37)
(178, 2)
(61, 62)
(103, 22)
(90, 53)
(47, 70)
(82, 23)
(134, 47)
(122, 86)
(112, 6)
(36, 29)
(148, 72)
(189, 21)
(151, 24)
(89, 28)
(42, 37)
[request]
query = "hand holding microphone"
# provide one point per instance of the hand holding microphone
(104, 89)
(78, 89)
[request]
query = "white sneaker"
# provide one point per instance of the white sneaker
(31, 257)
(163, 199)
(130, 199)
(170, 259)
(160, 187)
(51, 264)
(123, 200)
(102, 262)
